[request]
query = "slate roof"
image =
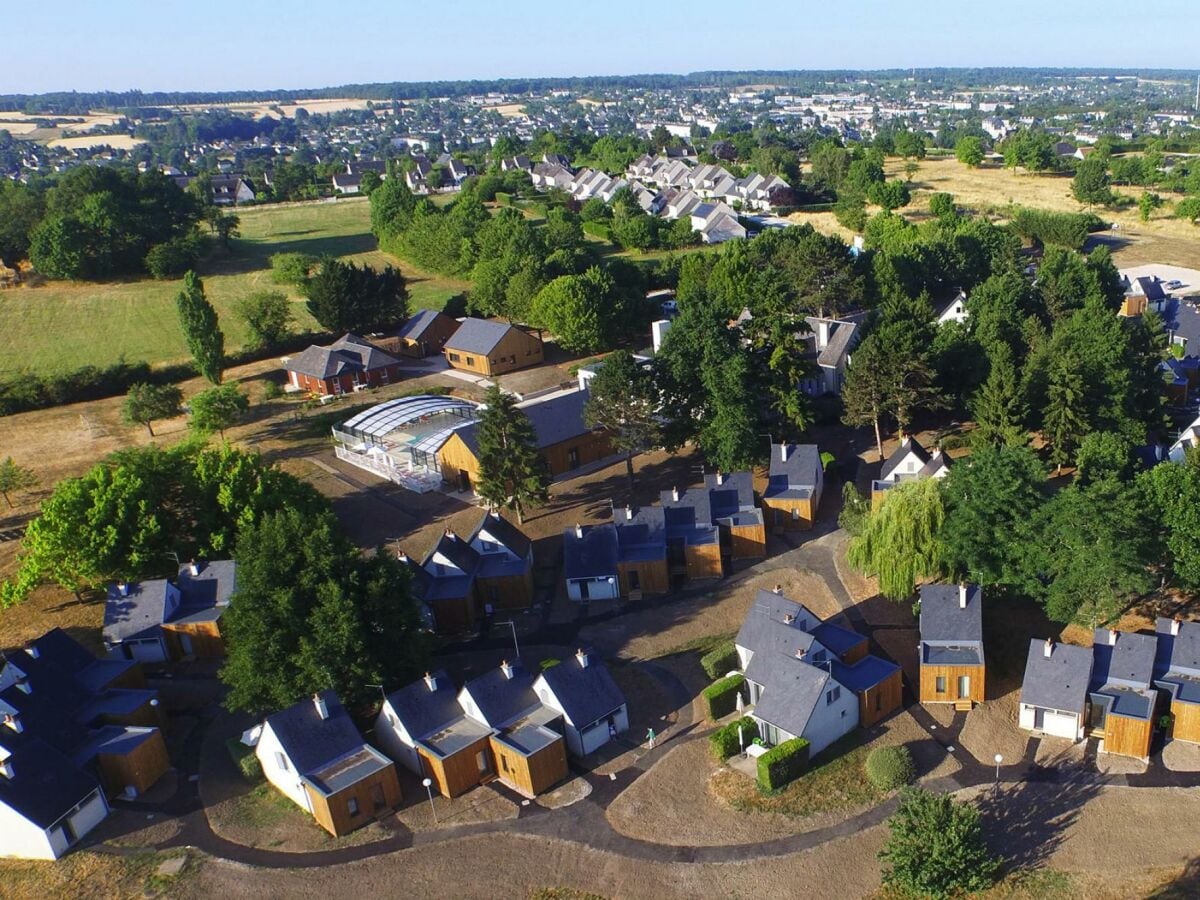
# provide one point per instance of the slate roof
(310, 742)
(213, 585)
(942, 621)
(1127, 663)
(502, 699)
(347, 354)
(1177, 662)
(477, 336)
(840, 343)
(1060, 681)
(642, 537)
(46, 784)
(795, 477)
(143, 609)
(1183, 320)
(455, 549)
(910, 445)
(592, 556)
(735, 493)
(791, 690)
(424, 712)
(503, 531)
(554, 420)
(836, 638)
(766, 615)
(863, 675)
(586, 693)
(419, 323)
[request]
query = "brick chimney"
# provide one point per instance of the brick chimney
(778, 589)
(13, 722)
(401, 556)
(1112, 637)
(6, 766)
(451, 535)
(322, 708)
(506, 669)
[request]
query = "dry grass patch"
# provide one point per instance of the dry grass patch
(265, 818)
(86, 874)
(991, 728)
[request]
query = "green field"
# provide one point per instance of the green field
(59, 326)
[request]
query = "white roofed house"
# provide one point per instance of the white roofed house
(716, 223)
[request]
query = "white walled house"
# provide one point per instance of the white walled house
(413, 713)
(46, 803)
(593, 707)
(1054, 694)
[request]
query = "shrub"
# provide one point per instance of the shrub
(719, 660)
(724, 741)
(173, 257)
(503, 198)
(721, 696)
(271, 390)
(828, 462)
(244, 758)
(782, 765)
(291, 268)
(1061, 229)
(890, 767)
(598, 229)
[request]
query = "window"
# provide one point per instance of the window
(573, 458)
(281, 761)
(819, 656)
(470, 360)
(503, 762)
(878, 702)
(940, 684)
(796, 514)
(832, 696)
(383, 376)
(487, 546)
(454, 357)
(352, 806)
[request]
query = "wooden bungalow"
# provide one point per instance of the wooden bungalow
(488, 348)
(1177, 672)
(952, 668)
(795, 480)
(425, 334)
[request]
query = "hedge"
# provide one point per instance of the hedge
(244, 758)
(719, 660)
(721, 696)
(889, 768)
(724, 741)
(782, 765)
(598, 229)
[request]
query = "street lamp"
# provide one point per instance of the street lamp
(999, 759)
(513, 625)
(428, 782)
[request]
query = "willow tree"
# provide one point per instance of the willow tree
(898, 543)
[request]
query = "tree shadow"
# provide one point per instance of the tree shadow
(255, 255)
(1027, 822)
(1184, 886)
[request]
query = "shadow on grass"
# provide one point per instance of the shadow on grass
(1028, 821)
(1184, 887)
(255, 255)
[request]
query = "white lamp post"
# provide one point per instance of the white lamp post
(428, 782)
(999, 759)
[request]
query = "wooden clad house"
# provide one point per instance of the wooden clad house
(564, 441)
(1177, 672)
(314, 755)
(1121, 697)
(952, 660)
(424, 334)
(491, 348)
(346, 365)
(794, 483)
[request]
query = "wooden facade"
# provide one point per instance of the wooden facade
(454, 615)
(880, 701)
(748, 542)
(430, 343)
(373, 797)
(141, 767)
(460, 466)
(652, 577)
(517, 349)
(787, 514)
(857, 652)
(461, 771)
(533, 774)
(1126, 736)
(704, 561)
(1132, 305)
(203, 638)
(1186, 725)
(930, 674)
(506, 591)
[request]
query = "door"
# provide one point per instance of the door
(635, 580)
(483, 763)
(573, 458)
(464, 481)
(378, 800)
(964, 687)
(583, 590)
(185, 644)
(1060, 724)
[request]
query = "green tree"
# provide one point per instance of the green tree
(1104, 454)
(21, 208)
(910, 145)
(998, 406)
(889, 194)
(1188, 209)
(990, 496)
(227, 226)
(369, 183)
(865, 391)
(1066, 416)
(217, 408)
(512, 473)
(941, 206)
(572, 313)
(14, 478)
(147, 402)
(267, 316)
(345, 297)
(623, 400)
(1170, 494)
(309, 613)
(899, 540)
(198, 320)
(1091, 184)
(969, 151)
(1147, 203)
(935, 848)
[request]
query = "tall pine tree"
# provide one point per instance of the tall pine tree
(998, 407)
(1066, 417)
(512, 473)
(201, 330)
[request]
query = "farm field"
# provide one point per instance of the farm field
(58, 326)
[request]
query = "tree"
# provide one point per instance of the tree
(227, 226)
(864, 393)
(575, 315)
(990, 496)
(218, 408)
(623, 400)
(267, 316)
(370, 182)
(310, 613)
(899, 541)
(998, 407)
(969, 151)
(889, 194)
(14, 478)
(1147, 203)
(1188, 209)
(1104, 454)
(935, 847)
(21, 208)
(146, 402)
(198, 320)
(344, 297)
(1065, 420)
(512, 473)
(941, 206)
(1170, 494)
(1090, 184)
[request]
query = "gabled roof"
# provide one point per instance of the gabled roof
(310, 742)
(504, 531)
(793, 473)
(1127, 663)
(1177, 661)
(909, 446)
(791, 690)
(768, 615)
(557, 418)
(455, 549)
(478, 336)
(349, 353)
(592, 555)
(422, 711)
(1059, 681)
(944, 621)
(420, 322)
(46, 784)
(587, 693)
(501, 698)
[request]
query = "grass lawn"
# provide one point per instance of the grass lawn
(59, 326)
(837, 780)
(103, 874)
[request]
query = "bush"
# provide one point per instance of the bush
(598, 229)
(719, 660)
(503, 198)
(724, 741)
(174, 257)
(1068, 230)
(782, 765)
(890, 768)
(721, 696)
(828, 462)
(291, 268)
(243, 757)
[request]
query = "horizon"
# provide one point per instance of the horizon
(127, 45)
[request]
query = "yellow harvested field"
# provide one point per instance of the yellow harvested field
(261, 109)
(508, 110)
(17, 127)
(115, 141)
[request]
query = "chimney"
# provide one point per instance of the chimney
(401, 556)
(783, 452)
(1049, 648)
(13, 722)
(778, 589)
(628, 513)
(495, 513)
(801, 653)
(430, 682)
(22, 683)
(1175, 623)
(578, 531)
(451, 535)
(322, 707)
(32, 650)
(506, 669)
(582, 656)
(1112, 637)
(194, 568)
(720, 478)
(904, 439)
(962, 595)
(789, 618)
(123, 588)
(6, 766)
(675, 494)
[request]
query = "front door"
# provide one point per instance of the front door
(964, 687)
(583, 590)
(573, 458)
(377, 798)
(483, 763)
(185, 644)
(635, 580)
(464, 481)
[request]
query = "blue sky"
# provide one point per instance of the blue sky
(224, 45)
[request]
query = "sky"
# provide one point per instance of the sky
(254, 44)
